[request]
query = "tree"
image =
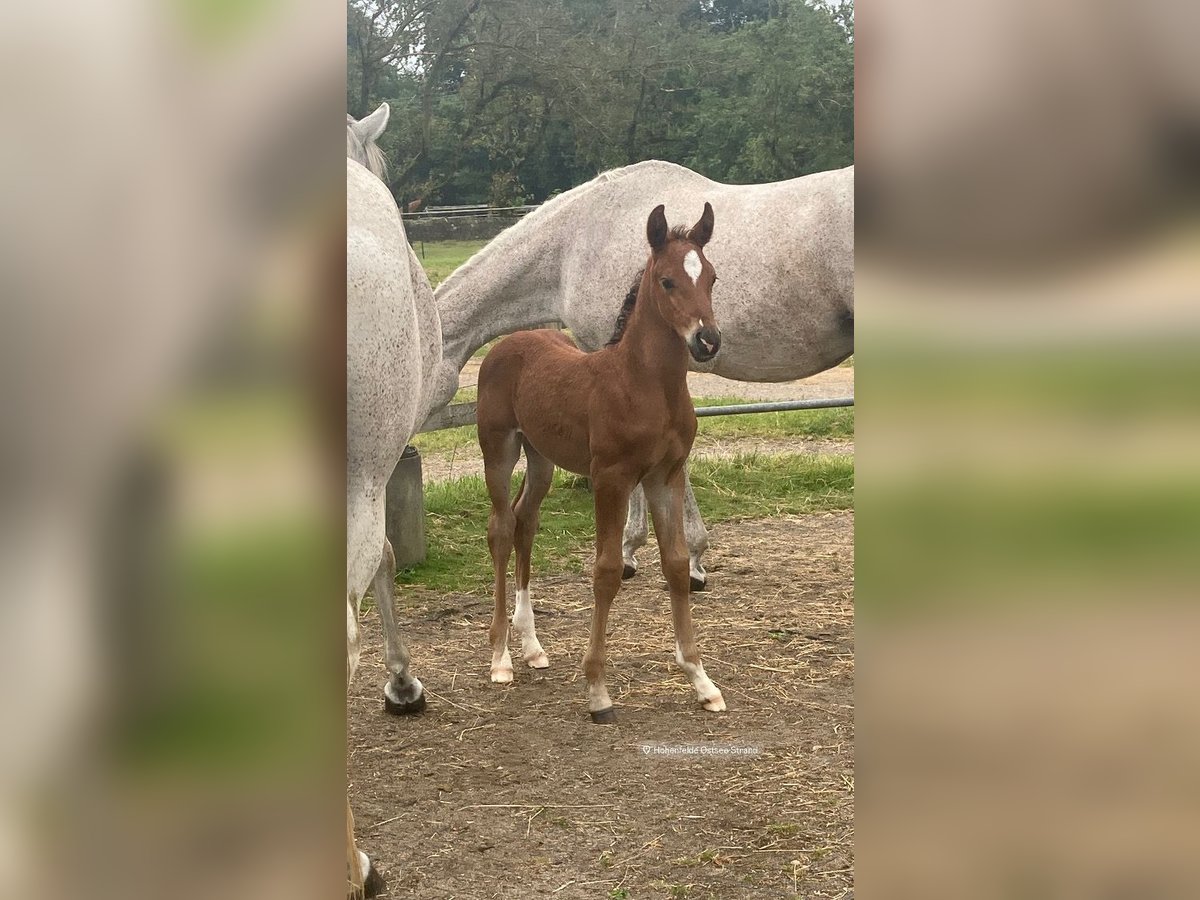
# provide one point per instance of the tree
(515, 98)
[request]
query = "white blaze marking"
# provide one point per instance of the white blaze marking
(692, 265)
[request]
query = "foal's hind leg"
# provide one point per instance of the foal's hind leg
(501, 450)
(403, 693)
(666, 506)
(539, 473)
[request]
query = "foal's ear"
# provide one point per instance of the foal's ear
(656, 228)
(702, 230)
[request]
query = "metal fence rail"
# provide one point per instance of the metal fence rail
(469, 211)
(458, 414)
(737, 409)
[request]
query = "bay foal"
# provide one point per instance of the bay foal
(621, 416)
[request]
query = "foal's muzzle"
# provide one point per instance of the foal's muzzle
(705, 343)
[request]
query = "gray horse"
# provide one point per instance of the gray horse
(785, 299)
(393, 349)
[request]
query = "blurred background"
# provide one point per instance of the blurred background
(1027, 278)
(172, 666)
(171, 672)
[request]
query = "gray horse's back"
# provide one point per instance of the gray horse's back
(785, 251)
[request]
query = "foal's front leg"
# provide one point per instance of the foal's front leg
(611, 491)
(666, 506)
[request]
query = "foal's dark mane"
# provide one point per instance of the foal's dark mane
(626, 310)
(679, 232)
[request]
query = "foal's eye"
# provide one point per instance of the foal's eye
(667, 283)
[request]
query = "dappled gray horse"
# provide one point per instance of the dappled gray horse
(393, 349)
(785, 299)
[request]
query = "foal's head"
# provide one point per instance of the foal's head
(681, 281)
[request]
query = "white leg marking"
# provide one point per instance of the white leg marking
(364, 866)
(352, 642)
(708, 693)
(692, 265)
(502, 670)
(531, 647)
(598, 697)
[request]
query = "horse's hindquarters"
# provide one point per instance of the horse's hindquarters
(539, 383)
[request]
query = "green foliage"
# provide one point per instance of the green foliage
(504, 102)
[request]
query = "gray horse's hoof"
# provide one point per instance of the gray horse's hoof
(605, 716)
(628, 572)
(408, 708)
(375, 885)
(699, 584)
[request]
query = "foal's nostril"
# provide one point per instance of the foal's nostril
(705, 343)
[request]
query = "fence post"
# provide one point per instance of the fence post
(404, 510)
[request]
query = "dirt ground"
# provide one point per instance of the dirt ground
(511, 791)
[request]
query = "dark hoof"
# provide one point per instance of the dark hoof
(628, 572)
(605, 716)
(699, 584)
(375, 885)
(411, 708)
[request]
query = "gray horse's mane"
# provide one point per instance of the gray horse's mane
(368, 154)
(547, 209)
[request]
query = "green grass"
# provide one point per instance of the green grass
(807, 423)
(440, 258)
(740, 487)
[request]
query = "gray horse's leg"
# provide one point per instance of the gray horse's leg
(694, 531)
(635, 531)
(696, 536)
(403, 693)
